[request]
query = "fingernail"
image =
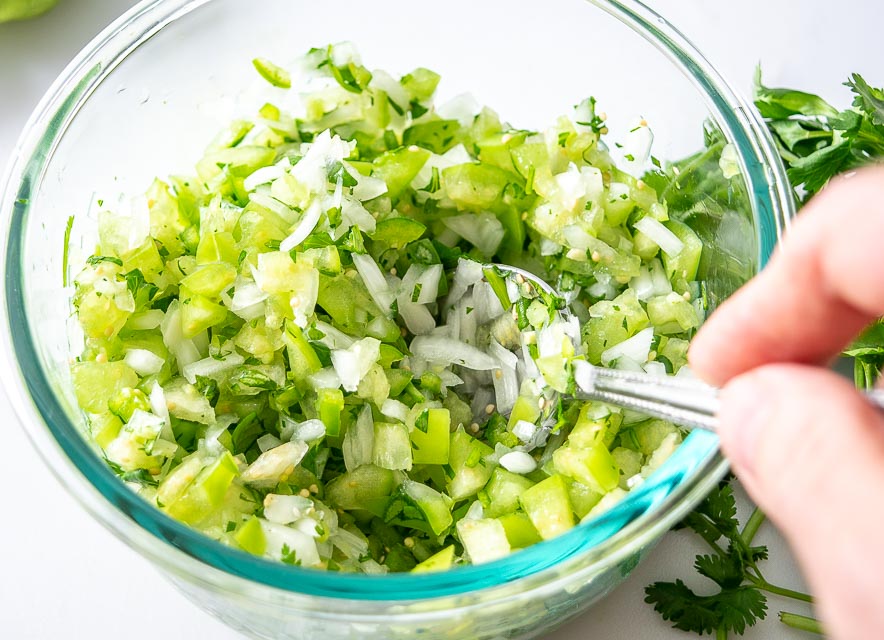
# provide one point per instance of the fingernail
(743, 417)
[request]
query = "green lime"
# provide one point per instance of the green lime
(23, 9)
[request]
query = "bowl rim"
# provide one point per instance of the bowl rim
(647, 512)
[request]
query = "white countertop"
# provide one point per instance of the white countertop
(63, 575)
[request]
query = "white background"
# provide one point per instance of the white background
(63, 575)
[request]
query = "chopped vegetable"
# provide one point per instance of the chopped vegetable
(308, 359)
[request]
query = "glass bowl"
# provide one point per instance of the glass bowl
(145, 97)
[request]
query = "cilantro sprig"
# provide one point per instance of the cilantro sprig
(816, 142)
(739, 595)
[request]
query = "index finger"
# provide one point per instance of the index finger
(822, 286)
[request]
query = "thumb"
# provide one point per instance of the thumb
(810, 451)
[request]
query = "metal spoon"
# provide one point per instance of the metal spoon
(685, 401)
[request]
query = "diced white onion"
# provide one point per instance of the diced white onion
(184, 349)
(283, 509)
(625, 363)
(371, 568)
(350, 544)
(333, 338)
(486, 303)
(248, 299)
(374, 281)
(305, 227)
(618, 191)
(518, 462)
(367, 187)
(429, 283)
(143, 361)
(269, 468)
(729, 161)
(157, 399)
(643, 285)
(569, 188)
(686, 372)
(424, 277)
(661, 236)
(417, 317)
(395, 409)
(211, 367)
(145, 320)
(484, 230)
(280, 537)
(551, 340)
(454, 156)
(655, 368)
(635, 348)
(326, 378)
(662, 285)
(505, 379)
(393, 88)
(593, 183)
(577, 237)
(506, 357)
(305, 431)
(548, 247)
(449, 378)
(352, 363)
(525, 431)
(467, 273)
(353, 214)
(637, 148)
(268, 441)
(463, 108)
(475, 512)
(443, 350)
(282, 210)
(359, 440)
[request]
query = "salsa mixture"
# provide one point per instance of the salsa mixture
(301, 351)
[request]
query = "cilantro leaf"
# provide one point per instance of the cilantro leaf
(731, 609)
(716, 516)
(815, 170)
(676, 602)
(741, 608)
(868, 99)
(95, 260)
(781, 103)
(726, 571)
(816, 141)
(288, 555)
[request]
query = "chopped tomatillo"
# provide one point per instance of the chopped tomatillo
(306, 358)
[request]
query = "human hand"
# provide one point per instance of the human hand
(807, 447)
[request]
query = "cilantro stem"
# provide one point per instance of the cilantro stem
(764, 585)
(66, 251)
(804, 623)
(752, 525)
(872, 140)
(721, 633)
(693, 164)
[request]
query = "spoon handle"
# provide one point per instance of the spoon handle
(684, 401)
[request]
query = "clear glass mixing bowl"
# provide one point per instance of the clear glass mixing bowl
(148, 93)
